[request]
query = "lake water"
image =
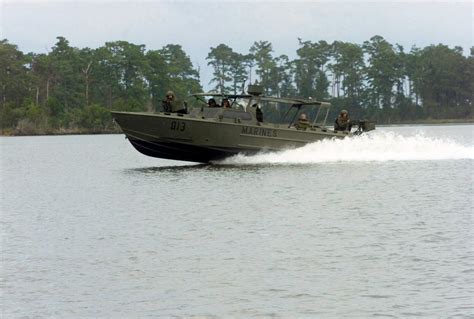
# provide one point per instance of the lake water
(376, 226)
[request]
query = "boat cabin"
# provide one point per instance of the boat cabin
(254, 107)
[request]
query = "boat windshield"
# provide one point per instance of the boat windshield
(275, 109)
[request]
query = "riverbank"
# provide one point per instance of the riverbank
(432, 121)
(116, 130)
(61, 131)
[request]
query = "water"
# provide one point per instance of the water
(371, 227)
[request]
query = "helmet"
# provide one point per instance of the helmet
(170, 93)
(303, 116)
(344, 112)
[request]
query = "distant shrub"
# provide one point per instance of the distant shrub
(10, 115)
(95, 117)
(25, 127)
(129, 105)
(55, 107)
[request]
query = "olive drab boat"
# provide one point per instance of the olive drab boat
(204, 134)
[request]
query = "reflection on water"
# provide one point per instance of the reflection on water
(207, 168)
(92, 228)
(174, 168)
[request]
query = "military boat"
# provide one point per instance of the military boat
(204, 134)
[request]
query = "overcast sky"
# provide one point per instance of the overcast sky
(199, 25)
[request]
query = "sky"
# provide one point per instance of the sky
(199, 25)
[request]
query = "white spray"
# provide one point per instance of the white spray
(379, 147)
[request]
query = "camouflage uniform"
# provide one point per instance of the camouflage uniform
(302, 123)
(171, 105)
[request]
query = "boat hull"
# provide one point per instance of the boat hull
(184, 152)
(200, 139)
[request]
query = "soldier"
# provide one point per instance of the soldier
(171, 105)
(258, 113)
(226, 103)
(343, 123)
(167, 103)
(303, 122)
(212, 103)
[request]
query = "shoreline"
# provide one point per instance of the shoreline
(430, 122)
(62, 132)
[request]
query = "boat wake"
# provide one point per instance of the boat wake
(375, 147)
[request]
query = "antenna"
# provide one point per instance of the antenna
(243, 87)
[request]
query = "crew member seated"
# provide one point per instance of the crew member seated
(303, 122)
(343, 122)
(171, 105)
(226, 103)
(212, 103)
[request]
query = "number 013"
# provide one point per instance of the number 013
(178, 126)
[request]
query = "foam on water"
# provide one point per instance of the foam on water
(379, 147)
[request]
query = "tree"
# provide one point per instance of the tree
(415, 74)
(283, 76)
(13, 74)
(183, 78)
(156, 75)
(65, 83)
(446, 80)
(88, 65)
(238, 71)
(261, 54)
(14, 84)
(70, 87)
(221, 59)
(310, 73)
(347, 67)
(381, 71)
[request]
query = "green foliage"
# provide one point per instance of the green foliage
(156, 74)
(13, 74)
(55, 107)
(261, 53)
(381, 71)
(230, 69)
(67, 88)
(220, 58)
(128, 105)
(310, 77)
(34, 114)
(95, 117)
(75, 89)
(183, 78)
(10, 115)
(348, 73)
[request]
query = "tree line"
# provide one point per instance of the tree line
(72, 89)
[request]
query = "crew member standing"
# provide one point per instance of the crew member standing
(171, 105)
(168, 102)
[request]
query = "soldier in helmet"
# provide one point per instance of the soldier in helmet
(168, 101)
(303, 122)
(343, 122)
(171, 105)
(212, 103)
